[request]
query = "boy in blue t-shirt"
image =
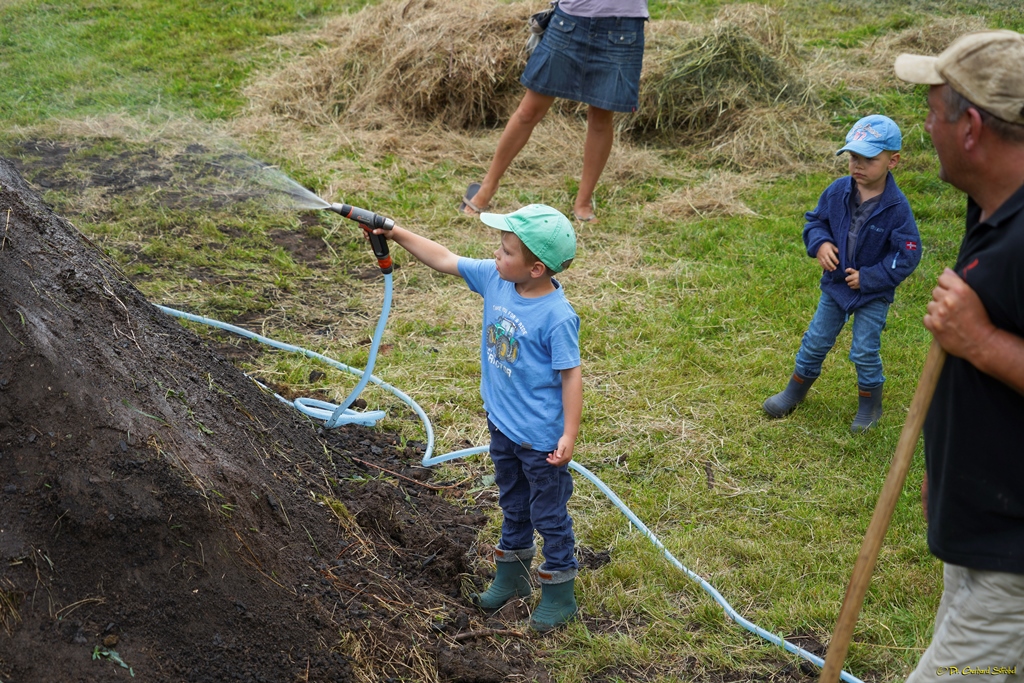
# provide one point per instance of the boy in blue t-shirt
(864, 236)
(532, 389)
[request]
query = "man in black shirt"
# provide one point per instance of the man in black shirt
(974, 450)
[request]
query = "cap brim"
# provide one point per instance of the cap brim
(865, 150)
(918, 69)
(495, 220)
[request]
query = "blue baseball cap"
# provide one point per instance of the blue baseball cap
(873, 135)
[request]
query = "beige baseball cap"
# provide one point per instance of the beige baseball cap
(986, 67)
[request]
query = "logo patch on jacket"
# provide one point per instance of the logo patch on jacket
(911, 246)
(968, 268)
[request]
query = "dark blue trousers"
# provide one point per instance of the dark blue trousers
(533, 494)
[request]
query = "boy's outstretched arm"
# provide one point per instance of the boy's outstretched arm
(425, 250)
(572, 406)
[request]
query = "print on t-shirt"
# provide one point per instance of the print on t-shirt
(503, 340)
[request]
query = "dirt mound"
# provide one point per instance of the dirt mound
(163, 517)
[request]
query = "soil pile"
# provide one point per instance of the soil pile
(161, 516)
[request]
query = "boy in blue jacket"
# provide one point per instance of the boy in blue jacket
(864, 236)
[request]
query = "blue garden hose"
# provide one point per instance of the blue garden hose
(332, 415)
(336, 415)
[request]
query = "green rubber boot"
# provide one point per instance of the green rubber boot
(511, 578)
(557, 606)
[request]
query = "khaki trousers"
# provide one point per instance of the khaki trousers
(979, 629)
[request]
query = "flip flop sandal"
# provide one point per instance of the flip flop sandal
(587, 219)
(467, 201)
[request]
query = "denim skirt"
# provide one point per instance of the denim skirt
(594, 60)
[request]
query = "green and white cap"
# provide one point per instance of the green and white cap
(544, 231)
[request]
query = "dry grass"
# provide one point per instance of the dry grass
(719, 195)
(780, 138)
(10, 599)
(158, 126)
(762, 23)
(734, 94)
(868, 69)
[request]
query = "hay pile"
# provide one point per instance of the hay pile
(433, 81)
(452, 63)
(699, 82)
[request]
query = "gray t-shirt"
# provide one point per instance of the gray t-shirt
(859, 213)
(605, 8)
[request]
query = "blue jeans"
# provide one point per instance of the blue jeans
(533, 494)
(828, 320)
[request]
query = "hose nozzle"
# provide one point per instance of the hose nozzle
(370, 221)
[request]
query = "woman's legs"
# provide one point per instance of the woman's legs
(517, 132)
(531, 110)
(596, 149)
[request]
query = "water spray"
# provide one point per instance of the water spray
(283, 193)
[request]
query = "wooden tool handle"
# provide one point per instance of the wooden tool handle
(840, 643)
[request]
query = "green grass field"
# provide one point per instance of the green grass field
(688, 324)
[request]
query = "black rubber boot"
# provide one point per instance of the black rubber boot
(511, 578)
(783, 403)
(557, 606)
(869, 409)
